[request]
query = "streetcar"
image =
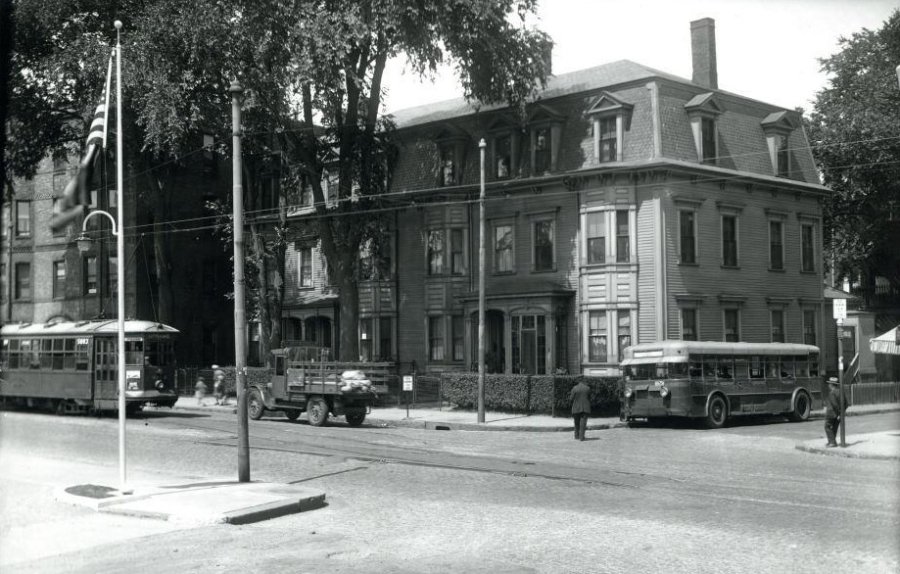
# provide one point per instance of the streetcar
(715, 381)
(68, 367)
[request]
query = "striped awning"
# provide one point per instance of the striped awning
(887, 343)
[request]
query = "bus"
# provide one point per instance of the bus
(67, 366)
(715, 381)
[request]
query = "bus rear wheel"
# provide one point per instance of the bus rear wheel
(355, 419)
(717, 414)
(801, 408)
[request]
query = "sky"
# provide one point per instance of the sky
(765, 50)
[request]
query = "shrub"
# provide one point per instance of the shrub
(529, 393)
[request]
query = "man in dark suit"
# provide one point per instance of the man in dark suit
(833, 410)
(580, 396)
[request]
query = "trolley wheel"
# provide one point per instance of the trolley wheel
(801, 408)
(133, 409)
(255, 406)
(317, 412)
(292, 414)
(355, 419)
(718, 413)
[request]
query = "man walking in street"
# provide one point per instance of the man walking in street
(833, 410)
(580, 396)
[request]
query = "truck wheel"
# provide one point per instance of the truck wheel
(317, 412)
(718, 413)
(801, 408)
(355, 419)
(292, 415)
(255, 406)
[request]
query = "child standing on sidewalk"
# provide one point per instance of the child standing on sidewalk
(200, 391)
(219, 385)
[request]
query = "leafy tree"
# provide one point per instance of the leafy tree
(312, 72)
(854, 128)
(343, 48)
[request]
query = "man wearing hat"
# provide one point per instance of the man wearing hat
(833, 410)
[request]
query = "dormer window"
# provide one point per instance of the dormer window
(703, 111)
(448, 167)
(610, 117)
(778, 127)
(542, 138)
(451, 143)
(546, 129)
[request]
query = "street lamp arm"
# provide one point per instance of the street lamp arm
(99, 212)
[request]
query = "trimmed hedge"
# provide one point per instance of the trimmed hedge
(544, 394)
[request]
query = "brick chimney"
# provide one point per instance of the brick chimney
(703, 52)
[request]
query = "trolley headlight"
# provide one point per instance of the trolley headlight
(663, 392)
(133, 386)
(628, 392)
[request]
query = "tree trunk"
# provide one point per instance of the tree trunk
(349, 316)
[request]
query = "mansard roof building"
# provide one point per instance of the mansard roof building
(628, 205)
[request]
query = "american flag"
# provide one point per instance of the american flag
(76, 196)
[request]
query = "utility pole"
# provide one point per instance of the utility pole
(481, 146)
(240, 323)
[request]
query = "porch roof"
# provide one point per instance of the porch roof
(514, 288)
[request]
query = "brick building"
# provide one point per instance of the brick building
(44, 277)
(629, 205)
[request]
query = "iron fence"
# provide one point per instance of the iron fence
(874, 393)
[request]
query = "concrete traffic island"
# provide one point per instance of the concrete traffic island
(200, 503)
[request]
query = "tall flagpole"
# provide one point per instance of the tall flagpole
(120, 258)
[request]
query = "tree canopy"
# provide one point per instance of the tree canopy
(312, 71)
(855, 133)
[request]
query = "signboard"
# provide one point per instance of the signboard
(407, 382)
(840, 309)
(845, 333)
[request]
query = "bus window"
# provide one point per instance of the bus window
(695, 369)
(46, 353)
(660, 371)
(757, 368)
(134, 351)
(741, 368)
(58, 354)
(801, 366)
(709, 367)
(814, 365)
(69, 354)
(82, 353)
(787, 367)
(678, 370)
(725, 368)
(773, 366)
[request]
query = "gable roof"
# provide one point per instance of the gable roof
(614, 73)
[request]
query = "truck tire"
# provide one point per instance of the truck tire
(255, 405)
(292, 414)
(355, 419)
(317, 412)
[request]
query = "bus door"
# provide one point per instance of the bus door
(106, 360)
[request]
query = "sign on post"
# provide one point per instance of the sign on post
(407, 382)
(840, 309)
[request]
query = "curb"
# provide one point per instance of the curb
(443, 425)
(843, 452)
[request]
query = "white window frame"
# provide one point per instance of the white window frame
(494, 260)
(780, 222)
(603, 214)
(300, 262)
(693, 212)
(772, 324)
(812, 226)
(696, 312)
(607, 334)
(534, 221)
(737, 239)
(725, 311)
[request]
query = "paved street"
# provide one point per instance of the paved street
(645, 499)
